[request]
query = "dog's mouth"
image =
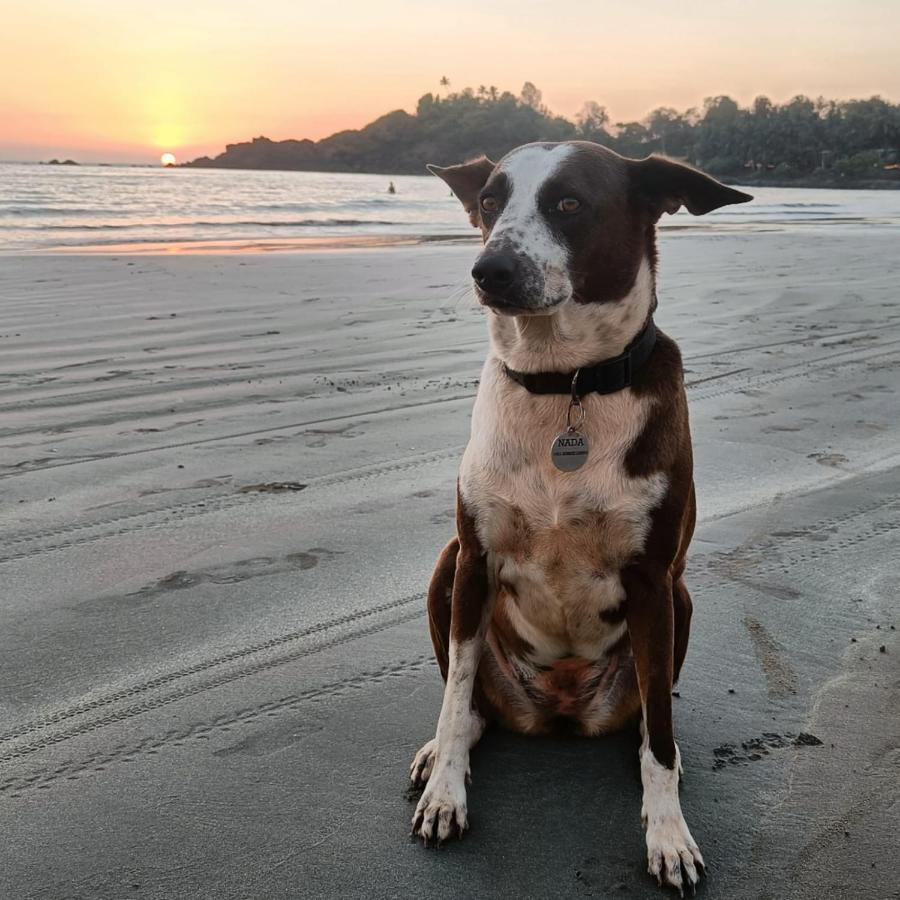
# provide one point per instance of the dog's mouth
(506, 306)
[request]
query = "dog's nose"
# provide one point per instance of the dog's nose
(495, 273)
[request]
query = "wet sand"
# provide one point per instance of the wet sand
(224, 480)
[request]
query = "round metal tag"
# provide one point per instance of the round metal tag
(569, 451)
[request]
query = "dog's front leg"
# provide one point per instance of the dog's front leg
(441, 811)
(672, 854)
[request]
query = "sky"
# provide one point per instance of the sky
(126, 80)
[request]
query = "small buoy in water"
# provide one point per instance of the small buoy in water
(391, 188)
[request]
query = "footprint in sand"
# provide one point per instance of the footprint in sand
(828, 459)
(798, 426)
(237, 571)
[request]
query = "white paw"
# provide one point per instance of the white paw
(673, 856)
(420, 770)
(441, 812)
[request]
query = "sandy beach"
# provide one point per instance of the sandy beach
(225, 479)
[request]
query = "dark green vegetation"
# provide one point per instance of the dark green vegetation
(821, 142)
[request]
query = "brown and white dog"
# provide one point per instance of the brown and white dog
(562, 597)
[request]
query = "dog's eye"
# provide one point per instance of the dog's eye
(489, 204)
(568, 205)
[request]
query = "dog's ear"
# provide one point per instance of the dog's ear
(667, 186)
(466, 180)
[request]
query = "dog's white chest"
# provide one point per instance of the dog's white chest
(557, 540)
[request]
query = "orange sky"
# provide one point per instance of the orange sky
(127, 80)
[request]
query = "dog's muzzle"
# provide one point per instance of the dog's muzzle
(510, 283)
(495, 274)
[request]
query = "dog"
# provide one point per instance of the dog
(562, 600)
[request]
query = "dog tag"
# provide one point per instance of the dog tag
(569, 451)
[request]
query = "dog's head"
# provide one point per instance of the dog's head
(571, 222)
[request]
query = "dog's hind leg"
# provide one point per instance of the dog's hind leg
(681, 599)
(441, 811)
(440, 596)
(672, 854)
(683, 609)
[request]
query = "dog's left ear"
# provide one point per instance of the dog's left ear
(466, 181)
(667, 186)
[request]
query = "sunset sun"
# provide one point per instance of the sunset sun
(167, 159)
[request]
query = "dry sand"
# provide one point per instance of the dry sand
(224, 480)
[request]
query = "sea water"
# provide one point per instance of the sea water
(77, 207)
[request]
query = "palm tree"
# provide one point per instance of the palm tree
(445, 81)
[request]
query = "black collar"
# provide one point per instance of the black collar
(605, 377)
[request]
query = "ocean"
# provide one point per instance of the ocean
(70, 208)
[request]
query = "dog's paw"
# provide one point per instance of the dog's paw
(420, 770)
(673, 856)
(441, 812)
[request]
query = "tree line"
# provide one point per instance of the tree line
(802, 137)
